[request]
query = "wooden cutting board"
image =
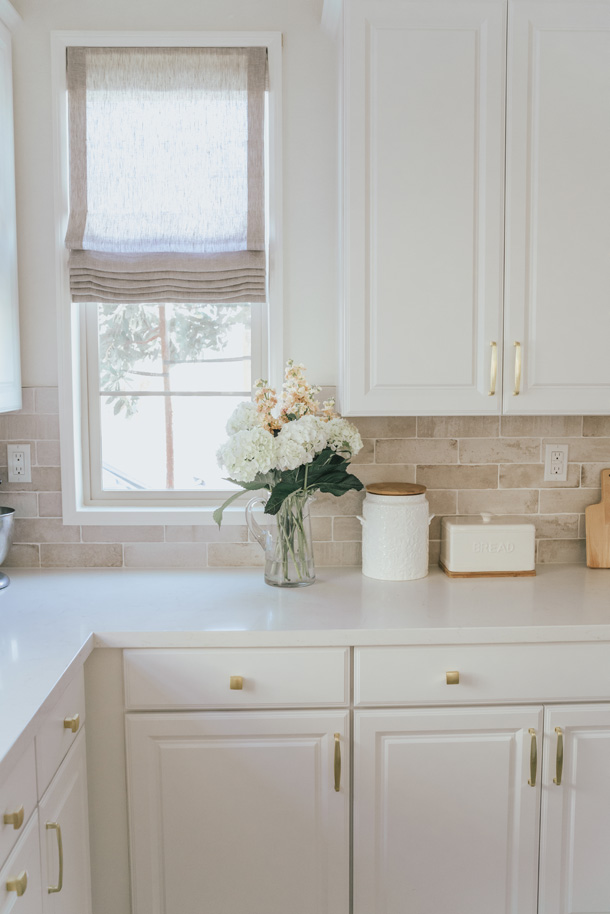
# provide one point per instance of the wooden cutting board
(598, 528)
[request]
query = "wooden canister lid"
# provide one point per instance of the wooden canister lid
(395, 488)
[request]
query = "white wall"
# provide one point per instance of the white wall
(310, 144)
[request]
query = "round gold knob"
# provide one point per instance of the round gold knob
(72, 723)
(237, 682)
(19, 884)
(453, 677)
(14, 818)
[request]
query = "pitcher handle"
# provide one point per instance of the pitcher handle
(261, 535)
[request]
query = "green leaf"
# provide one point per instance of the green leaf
(255, 485)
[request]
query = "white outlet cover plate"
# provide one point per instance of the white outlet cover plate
(549, 476)
(11, 450)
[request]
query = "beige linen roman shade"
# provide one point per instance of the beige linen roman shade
(167, 197)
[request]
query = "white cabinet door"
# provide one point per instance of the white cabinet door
(444, 818)
(575, 829)
(234, 812)
(558, 206)
(10, 372)
(64, 837)
(423, 196)
(20, 876)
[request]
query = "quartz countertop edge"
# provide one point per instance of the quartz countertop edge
(51, 619)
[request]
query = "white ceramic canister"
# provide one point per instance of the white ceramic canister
(395, 525)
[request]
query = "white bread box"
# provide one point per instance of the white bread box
(485, 545)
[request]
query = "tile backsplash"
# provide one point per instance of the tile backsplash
(469, 464)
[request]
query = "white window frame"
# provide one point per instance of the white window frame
(79, 507)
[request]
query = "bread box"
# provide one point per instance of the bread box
(487, 546)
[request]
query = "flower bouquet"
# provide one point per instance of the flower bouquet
(291, 447)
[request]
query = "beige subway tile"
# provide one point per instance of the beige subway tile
(429, 451)
(434, 552)
(47, 453)
(561, 552)
(22, 556)
(499, 450)
(583, 450)
(556, 526)
(20, 427)
(517, 501)
(49, 504)
(347, 528)
(165, 555)
(27, 402)
(321, 529)
(238, 554)
(326, 554)
(329, 505)
(582, 526)
(45, 530)
(123, 534)
(458, 426)
(367, 454)
(24, 503)
(379, 473)
(531, 476)
(46, 479)
(590, 476)
(386, 426)
(596, 426)
(458, 477)
(46, 400)
(3, 435)
(206, 533)
(81, 555)
(539, 426)
(442, 502)
(567, 501)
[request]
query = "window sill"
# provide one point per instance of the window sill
(114, 515)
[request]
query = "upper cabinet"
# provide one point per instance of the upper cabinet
(446, 138)
(10, 371)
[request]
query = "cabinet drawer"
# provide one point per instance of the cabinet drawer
(18, 799)
(270, 677)
(59, 730)
(417, 675)
(23, 867)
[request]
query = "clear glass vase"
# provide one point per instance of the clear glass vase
(285, 540)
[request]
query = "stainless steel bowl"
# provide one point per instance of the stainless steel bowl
(6, 538)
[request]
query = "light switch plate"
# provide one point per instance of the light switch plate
(19, 462)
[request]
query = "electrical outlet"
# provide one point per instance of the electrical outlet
(19, 463)
(556, 463)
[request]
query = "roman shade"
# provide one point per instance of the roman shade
(167, 196)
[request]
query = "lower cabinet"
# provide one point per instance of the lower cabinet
(239, 811)
(64, 837)
(20, 887)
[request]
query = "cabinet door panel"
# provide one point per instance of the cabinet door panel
(558, 206)
(444, 819)
(25, 858)
(575, 830)
(423, 205)
(234, 812)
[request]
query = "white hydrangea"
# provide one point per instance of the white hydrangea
(247, 453)
(343, 437)
(244, 416)
(299, 441)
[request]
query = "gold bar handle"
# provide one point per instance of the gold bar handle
(19, 884)
(337, 762)
(60, 850)
(559, 757)
(14, 818)
(517, 389)
(72, 723)
(533, 758)
(493, 369)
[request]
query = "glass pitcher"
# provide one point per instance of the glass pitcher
(285, 540)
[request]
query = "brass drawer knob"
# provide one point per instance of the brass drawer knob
(14, 818)
(453, 677)
(19, 884)
(237, 682)
(72, 723)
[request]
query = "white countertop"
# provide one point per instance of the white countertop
(50, 620)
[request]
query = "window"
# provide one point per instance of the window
(166, 319)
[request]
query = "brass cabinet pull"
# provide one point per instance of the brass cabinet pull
(533, 758)
(14, 818)
(337, 762)
(517, 389)
(453, 677)
(236, 682)
(494, 368)
(60, 850)
(19, 884)
(559, 757)
(72, 723)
